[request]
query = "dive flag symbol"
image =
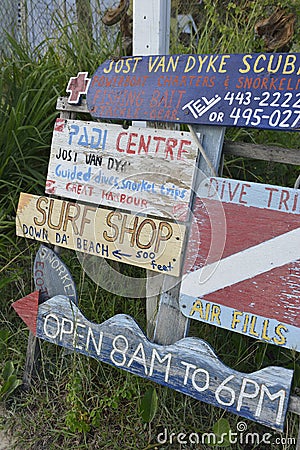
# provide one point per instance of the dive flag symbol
(259, 271)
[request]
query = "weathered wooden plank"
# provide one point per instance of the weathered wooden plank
(244, 90)
(294, 404)
(170, 324)
(64, 106)
(149, 243)
(32, 362)
(189, 366)
(263, 152)
(138, 169)
(248, 245)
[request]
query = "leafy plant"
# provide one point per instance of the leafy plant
(77, 416)
(10, 381)
(221, 430)
(148, 406)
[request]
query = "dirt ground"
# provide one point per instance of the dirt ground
(6, 442)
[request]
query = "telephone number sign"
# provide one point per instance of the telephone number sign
(285, 111)
(245, 90)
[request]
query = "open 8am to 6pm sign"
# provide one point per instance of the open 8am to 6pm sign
(149, 243)
(140, 169)
(244, 90)
(254, 289)
(189, 366)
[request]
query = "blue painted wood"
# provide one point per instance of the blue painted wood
(189, 366)
(244, 90)
(51, 276)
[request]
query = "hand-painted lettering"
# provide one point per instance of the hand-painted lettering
(163, 63)
(139, 144)
(143, 233)
(271, 63)
(73, 173)
(123, 65)
(207, 63)
(247, 323)
(228, 191)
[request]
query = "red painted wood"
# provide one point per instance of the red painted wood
(78, 86)
(263, 295)
(245, 227)
(274, 294)
(27, 309)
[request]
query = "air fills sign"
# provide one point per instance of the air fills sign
(254, 288)
(244, 90)
(140, 241)
(140, 169)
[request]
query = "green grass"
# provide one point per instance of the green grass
(79, 403)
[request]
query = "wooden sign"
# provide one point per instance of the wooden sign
(149, 243)
(254, 288)
(78, 86)
(189, 366)
(139, 169)
(51, 276)
(243, 90)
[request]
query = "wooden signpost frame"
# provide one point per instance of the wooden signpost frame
(168, 301)
(33, 353)
(146, 42)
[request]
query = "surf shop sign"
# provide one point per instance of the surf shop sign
(245, 90)
(144, 242)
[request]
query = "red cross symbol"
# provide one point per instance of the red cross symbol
(78, 86)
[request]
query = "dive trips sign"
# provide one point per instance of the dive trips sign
(243, 90)
(139, 169)
(141, 241)
(189, 366)
(253, 288)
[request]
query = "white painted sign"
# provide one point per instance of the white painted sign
(138, 169)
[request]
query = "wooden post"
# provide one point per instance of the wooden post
(148, 39)
(32, 361)
(22, 20)
(171, 325)
(33, 354)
